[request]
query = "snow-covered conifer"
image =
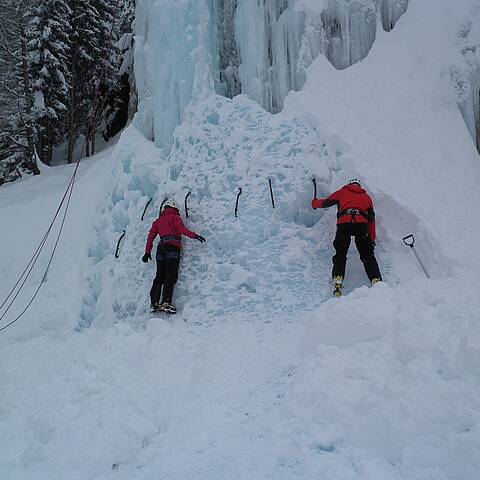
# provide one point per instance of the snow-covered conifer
(48, 47)
(17, 119)
(90, 63)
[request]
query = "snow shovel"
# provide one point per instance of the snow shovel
(409, 241)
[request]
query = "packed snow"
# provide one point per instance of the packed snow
(261, 374)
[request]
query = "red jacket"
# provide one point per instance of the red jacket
(168, 224)
(351, 196)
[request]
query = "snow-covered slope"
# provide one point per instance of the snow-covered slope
(260, 375)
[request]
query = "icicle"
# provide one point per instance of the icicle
(391, 11)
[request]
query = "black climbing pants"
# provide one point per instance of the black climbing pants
(168, 261)
(365, 247)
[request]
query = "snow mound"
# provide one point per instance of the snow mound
(390, 392)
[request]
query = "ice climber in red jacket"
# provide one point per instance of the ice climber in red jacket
(169, 227)
(356, 218)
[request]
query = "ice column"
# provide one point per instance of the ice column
(268, 35)
(229, 59)
(175, 61)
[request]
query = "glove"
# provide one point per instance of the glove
(316, 203)
(200, 238)
(146, 258)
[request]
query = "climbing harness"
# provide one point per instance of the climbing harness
(170, 238)
(354, 212)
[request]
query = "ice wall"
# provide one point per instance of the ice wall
(269, 36)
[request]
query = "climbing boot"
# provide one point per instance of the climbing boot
(154, 308)
(337, 285)
(168, 308)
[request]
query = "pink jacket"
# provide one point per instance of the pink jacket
(170, 228)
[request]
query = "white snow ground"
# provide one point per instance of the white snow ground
(261, 375)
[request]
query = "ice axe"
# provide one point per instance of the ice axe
(409, 241)
(186, 203)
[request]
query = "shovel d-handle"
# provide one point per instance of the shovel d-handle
(409, 240)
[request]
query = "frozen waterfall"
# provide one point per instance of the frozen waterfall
(175, 61)
(259, 48)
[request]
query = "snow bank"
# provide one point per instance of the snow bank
(391, 391)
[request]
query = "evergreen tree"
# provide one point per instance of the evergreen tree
(91, 67)
(104, 77)
(48, 46)
(59, 69)
(17, 120)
